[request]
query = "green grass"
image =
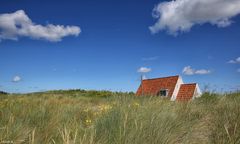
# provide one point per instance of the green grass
(102, 117)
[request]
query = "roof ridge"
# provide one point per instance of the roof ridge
(189, 83)
(162, 77)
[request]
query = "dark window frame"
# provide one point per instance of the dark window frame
(163, 92)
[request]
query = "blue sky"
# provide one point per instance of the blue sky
(104, 44)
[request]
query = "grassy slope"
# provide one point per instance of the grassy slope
(105, 117)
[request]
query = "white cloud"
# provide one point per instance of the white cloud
(144, 70)
(202, 71)
(144, 77)
(18, 24)
(150, 58)
(237, 60)
(238, 70)
(16, 79)
(189, 71)
(181, 15)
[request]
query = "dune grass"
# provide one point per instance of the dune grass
(93, 117)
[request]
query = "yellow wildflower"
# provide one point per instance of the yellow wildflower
(88, 121)
(136, 104)
(105, 107)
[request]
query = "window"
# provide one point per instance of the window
(163, 92)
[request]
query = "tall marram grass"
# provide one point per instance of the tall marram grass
(91, 117)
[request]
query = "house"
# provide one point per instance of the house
(171, 87)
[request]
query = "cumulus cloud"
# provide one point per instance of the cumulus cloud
(144, 70)
(16, 79)
(190, 71)
(144, 77)
(181, 15)
(150, 58)
(237, 60)
(18, 24)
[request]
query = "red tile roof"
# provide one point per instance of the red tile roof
(186, 92)
(153, 86)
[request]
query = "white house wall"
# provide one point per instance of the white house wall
(197, 92)
(176, 89)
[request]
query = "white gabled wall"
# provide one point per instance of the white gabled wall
(176, 89)
(197, 92)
